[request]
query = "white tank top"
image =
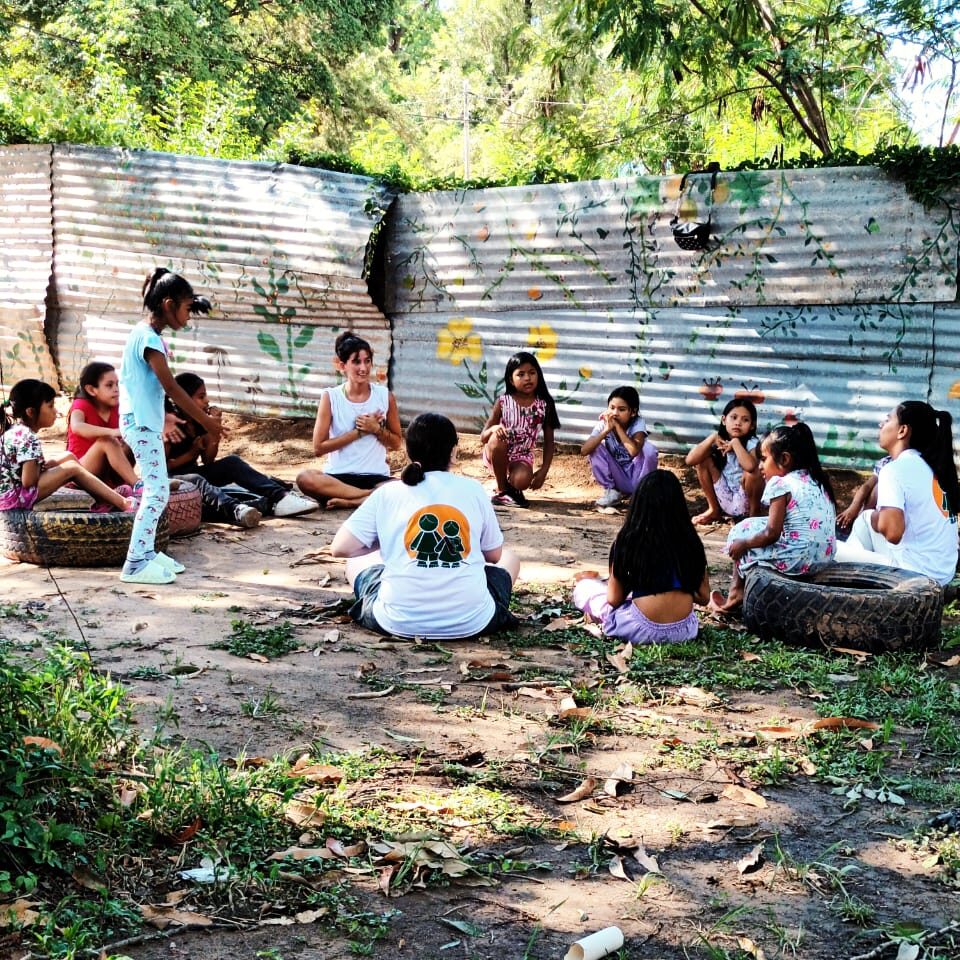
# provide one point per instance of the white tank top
(366, 455)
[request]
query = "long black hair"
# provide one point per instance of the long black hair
(91, 375)
(797, 440)
(430, 441)
(931, 433)
(25, 395)
(657, 540)
(720, 459)
(543, 392)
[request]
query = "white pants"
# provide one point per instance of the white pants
(865, 545)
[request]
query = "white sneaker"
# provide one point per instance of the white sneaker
(609, 498)
(248, 516)
(294, 504)
(168, 563)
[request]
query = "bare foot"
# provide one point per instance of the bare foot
(725, 607)
(343, 503)
(708, 516)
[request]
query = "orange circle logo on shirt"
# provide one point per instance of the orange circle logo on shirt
(940, 499)
(437, 535)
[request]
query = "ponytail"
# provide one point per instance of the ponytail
(413, 473)
(942, 463)
(162, 285)
(798, 441)
(431, 440)
(5, 422)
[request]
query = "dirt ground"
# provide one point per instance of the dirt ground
(159, 643)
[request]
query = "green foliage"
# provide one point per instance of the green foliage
(245, 639)
(79, 717)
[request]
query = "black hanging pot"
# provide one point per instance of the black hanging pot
(693, 234)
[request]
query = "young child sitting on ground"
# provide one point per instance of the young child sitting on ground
(727, 465)
(219, 506)
(93, 427)
(619, 452)
(26, 476)
(658, 570)
(800, 529)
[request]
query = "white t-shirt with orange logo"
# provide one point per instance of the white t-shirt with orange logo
(929, 543)
(432, 537)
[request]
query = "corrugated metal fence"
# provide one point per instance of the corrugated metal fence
(824, 294)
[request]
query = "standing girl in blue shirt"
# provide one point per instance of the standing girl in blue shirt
(144, 379)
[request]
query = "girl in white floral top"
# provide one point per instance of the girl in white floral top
(800, 529)
(25, 475)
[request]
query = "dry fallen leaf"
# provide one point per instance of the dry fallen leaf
(315, 772)
(19, 912)
(258, 658)
(304, 814)
(372, 694)
(859, 654)
(568, 709)
(749, 657)
(620, 781)
(161, 917)
(649, 863)
(777, 733)
(751, 861)
(44, 743)
(697, 696)
(303, 853)
(743, 795)
(584, 790)
(748, 946)
(847, 723)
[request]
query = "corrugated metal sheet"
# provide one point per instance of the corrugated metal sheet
(278, 249)
(687, 363)
(792, 237)
(26, 257)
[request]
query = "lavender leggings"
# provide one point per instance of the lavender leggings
(626, 622)
(611, 476)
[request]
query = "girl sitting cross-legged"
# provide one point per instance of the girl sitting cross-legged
(658, 570)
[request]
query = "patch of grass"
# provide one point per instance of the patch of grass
(266, 706)
(245, 638)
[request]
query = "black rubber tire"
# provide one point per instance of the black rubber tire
(863, 606)
(69, 538)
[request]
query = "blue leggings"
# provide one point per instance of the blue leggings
(147, 447)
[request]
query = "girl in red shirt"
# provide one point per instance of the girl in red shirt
(93, 426)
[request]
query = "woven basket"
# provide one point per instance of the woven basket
(184, 510)
(69, 538)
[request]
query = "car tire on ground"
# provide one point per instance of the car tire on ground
(69, 538)
(864, 606)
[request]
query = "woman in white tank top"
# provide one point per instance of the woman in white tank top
(357, 423)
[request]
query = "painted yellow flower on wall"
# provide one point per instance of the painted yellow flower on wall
(456, 342)
(543, 340)
(585, 373)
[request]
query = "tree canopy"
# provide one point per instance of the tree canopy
(504, 90)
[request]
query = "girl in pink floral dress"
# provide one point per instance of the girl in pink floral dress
(800, 529)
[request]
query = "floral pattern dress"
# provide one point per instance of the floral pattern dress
(809, 534)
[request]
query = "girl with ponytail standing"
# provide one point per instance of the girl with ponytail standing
(144, 379)
(426, 556)
(914, 525)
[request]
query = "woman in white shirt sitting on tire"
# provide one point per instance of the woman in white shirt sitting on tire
(914, 525)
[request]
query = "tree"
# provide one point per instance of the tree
(816, 61)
